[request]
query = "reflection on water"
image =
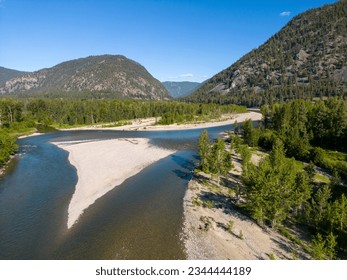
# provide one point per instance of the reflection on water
(140, 219)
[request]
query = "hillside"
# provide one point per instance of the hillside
(96, 76)
(7, 74)
(180, 89)
(306, 58)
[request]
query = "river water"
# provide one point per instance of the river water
(140, 219)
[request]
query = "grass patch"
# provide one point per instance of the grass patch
(196, 201)
(321, 178)
(241, 236)
(208, 204)
(229, 226)
(336, 156)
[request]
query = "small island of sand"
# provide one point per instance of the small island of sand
(103, 165)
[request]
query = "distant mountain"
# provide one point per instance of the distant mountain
(180, 89)
(7, 74)
(94, 76)
(306, 58)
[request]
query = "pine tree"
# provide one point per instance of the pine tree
(236, 127)
(220, 160)
(330, 246)
(318, 247)
(270, 187)
(204, 151)
(320, 204)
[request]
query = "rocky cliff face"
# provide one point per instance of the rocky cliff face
(7, 74)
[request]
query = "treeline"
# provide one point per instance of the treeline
(24, 115)
(85, 112)
(279, 94)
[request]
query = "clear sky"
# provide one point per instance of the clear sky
(175, 40)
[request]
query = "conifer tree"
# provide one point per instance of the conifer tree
(204, 151)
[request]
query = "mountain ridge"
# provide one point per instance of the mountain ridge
(180, 89)
(103, 75)
(310, 51)
(7, 74)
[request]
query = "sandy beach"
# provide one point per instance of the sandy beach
(103, 165)
(29, 135)
(148, 124)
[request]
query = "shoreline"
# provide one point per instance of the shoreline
(103, 165)
(148, 124)
(4, 167)
(215, 229)
(207, 236)
(30, 135)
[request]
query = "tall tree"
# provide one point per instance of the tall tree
(270, 187)
(204, 151)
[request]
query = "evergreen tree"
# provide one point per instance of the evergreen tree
(220, 160)
(270, 187)
(320, 204)
(204, 151)
(236, 127)
(250, 135)
(318, 247)
(330, 246)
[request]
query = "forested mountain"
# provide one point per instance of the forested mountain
(7, 74)
(101, 76)
(180, 89)
(306, 58)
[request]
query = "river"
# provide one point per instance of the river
(140, 219)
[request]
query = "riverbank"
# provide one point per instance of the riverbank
(216, 226)
(215, 230)
(4, 167)
(148, 124)
(103, 165)
(30, 135)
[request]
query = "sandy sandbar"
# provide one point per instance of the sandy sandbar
(103, 165)
(148, 124)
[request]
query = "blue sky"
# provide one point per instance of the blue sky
(175, 40)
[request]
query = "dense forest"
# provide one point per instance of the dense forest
(250, 98)
(298, 139)
(18, 116)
